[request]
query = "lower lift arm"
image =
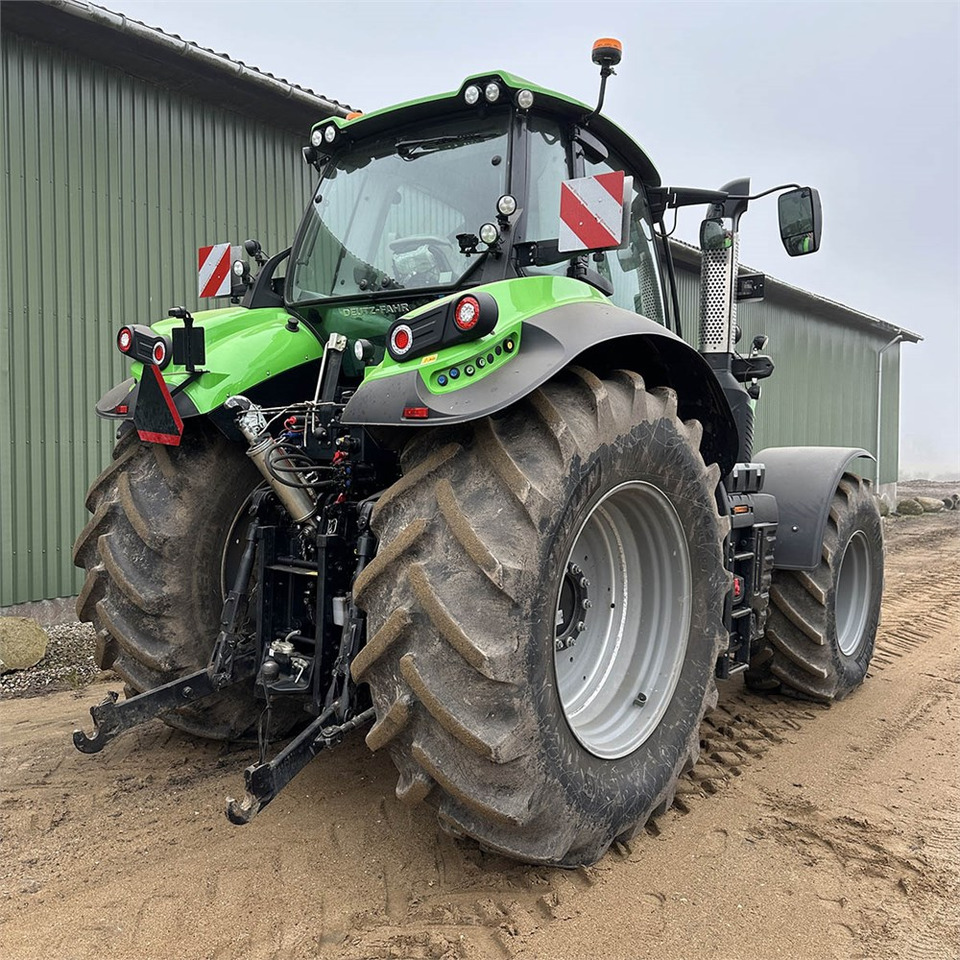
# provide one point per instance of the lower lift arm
(228, 665)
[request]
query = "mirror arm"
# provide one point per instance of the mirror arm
(670, 197)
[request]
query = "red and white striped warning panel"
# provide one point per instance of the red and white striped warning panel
(214, 266)
(591, 212)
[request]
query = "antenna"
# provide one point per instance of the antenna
(606, 55)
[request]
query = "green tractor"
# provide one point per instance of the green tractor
(447, 472)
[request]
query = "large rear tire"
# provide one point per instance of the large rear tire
(823, 623)
(540, 725)
(153, 553)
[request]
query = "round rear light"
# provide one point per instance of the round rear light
(124, 339)
(466, 314)
(159, 353)
(401, 340)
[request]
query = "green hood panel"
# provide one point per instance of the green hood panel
(244, 347)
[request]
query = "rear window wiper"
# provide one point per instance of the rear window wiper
(412, 149)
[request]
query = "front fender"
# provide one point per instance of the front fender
(244, 348)
(803, 479)
(551, 322)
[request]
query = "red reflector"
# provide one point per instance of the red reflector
(416, 413)
(466, 315)
(737, 588)
(124, 339)
(159, 352)
(121, 408)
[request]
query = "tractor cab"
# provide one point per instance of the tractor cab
(442, 195)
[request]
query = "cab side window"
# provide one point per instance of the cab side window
(547, 168)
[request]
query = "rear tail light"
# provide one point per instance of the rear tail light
(456, 320)
(466, 314)
(401, 340)
(138, 342)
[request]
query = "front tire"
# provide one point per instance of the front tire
(470, 605)
(823, 623)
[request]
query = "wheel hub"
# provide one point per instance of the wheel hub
(573, 606)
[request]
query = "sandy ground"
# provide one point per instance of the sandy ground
(804, 832)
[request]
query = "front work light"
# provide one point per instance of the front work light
(507, 205)
(330, 133)
(492, 92)
(525, 99)
(316, 138)
(472, 94)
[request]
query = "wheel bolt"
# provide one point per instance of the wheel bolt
(579, 625)
(587, 604)
(584, 582)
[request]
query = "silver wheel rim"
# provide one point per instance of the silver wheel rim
(854, 586)
(623, 616)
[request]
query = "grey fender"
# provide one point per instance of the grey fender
(595, 334)
(803, 479)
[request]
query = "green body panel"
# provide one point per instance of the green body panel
(510, 79)
(244, 347)
(517, 299)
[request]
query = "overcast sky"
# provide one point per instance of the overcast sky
(858, 99)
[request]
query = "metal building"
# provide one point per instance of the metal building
(837, 379)
(126, 149)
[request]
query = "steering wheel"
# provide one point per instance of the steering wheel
(420, 260)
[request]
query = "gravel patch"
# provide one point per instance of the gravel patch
(67, 665)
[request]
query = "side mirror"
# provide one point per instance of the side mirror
(800, 221)
(713, 237)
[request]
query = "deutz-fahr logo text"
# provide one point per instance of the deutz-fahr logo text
(396, 308)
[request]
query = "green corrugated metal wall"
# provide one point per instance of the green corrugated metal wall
(111, 186)
(824, 389)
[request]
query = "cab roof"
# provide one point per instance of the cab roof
(549, 101)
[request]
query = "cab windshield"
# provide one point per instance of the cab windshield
(386, 215)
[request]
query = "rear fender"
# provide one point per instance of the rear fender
(247, 351)
(551, 322)
(803, 479)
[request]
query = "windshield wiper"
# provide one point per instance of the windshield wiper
(412, 149)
